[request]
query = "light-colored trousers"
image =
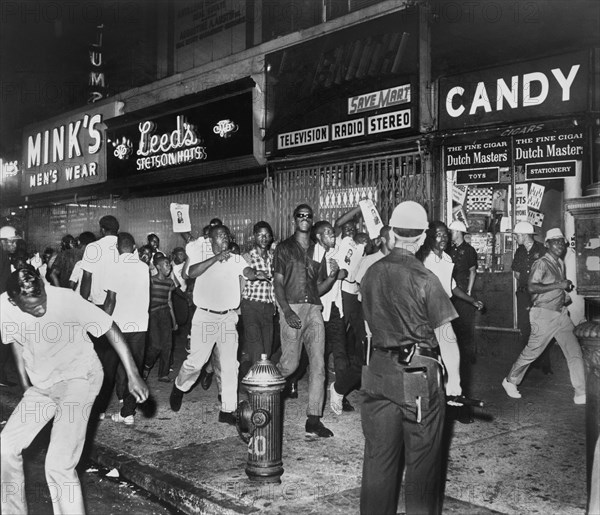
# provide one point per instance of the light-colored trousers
(545, 325)
(68, 404)
(209, 329)
(312, 336)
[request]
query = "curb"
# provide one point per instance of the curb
(175, 491)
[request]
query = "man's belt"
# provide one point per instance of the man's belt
(215, 312)
(406, 352)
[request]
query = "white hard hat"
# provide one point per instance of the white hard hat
(458, 226)
(409, 215)
(8, 233)
(554, 234)
(523, 228)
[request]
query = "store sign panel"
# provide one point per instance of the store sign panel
(550, 155)
(529, 90)
(489, 175)
(556, 170)
(66, 152)
(478, 162)
(209, 132)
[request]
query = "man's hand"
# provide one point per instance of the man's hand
(261, 275)
(478, 305)
(453, 387)
(223, 256)
(138, 388)
(293, 320)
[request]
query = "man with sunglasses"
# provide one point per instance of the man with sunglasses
(299, 282)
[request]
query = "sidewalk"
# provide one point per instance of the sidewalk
(519, 456)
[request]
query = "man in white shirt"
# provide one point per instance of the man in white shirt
(217, 294)
(127, 300)
(98, 259)
(61, 376)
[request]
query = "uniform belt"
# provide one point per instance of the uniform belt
(215, 312)
(404, 349)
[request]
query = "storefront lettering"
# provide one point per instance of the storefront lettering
(534, 89)
(52, 145)
(349, 129)
(379, 99)
(303, 137)
(389, 121)
(183, 136)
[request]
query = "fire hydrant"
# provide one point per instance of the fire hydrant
(260, 416)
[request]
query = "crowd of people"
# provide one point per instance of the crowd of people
(398, 323)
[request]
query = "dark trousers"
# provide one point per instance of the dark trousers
(160, 341)
(390, 421)
(110, 362)
(6, 357)
(347, 371)
(137, 345)
(257, 322)
(354, 320)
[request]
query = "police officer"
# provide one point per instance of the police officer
(403, 408)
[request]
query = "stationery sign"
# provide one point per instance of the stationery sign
(550, 155)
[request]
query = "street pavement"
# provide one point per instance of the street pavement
(518, 456)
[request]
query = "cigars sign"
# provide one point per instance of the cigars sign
(67, 151)
(521, 91)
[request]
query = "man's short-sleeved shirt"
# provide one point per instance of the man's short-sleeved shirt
(464, 257)
(199, 250)
(524, 260)
(403, 302)
(55, 346)
(442, 268)
(259, 291)
(130, 281)
(300, 271)
(218, 288)
(548, 270)
(98, 259)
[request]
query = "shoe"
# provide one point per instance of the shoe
(580, 399)
(206, 379)
(510, 389)
(128, 420)
(346, 406)
(176, 398)
(317, 429)
(293, 390)
(227, 418)
(165, 379)
(7, 383)
(335, 400)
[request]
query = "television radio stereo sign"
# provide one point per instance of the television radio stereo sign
(357, 127)
(67, 151)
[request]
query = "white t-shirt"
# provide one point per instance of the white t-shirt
(98, 259)
(199, 250)
(177, 273)
(335, 293)
(219, 287)
(55, 346)
(130, 280)
(442, 268)
(364, 265)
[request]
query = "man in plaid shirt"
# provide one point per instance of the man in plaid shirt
(258, 307)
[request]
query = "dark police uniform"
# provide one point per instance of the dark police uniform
(403, 405)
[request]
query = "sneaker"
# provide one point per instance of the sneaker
(227, 418)
(510, 389)
(335, 400)
(128, 420)
(317, 429)
(176, 398)
(580, 399)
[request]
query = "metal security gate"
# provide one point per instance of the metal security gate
(238, 206)
(333, 189)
